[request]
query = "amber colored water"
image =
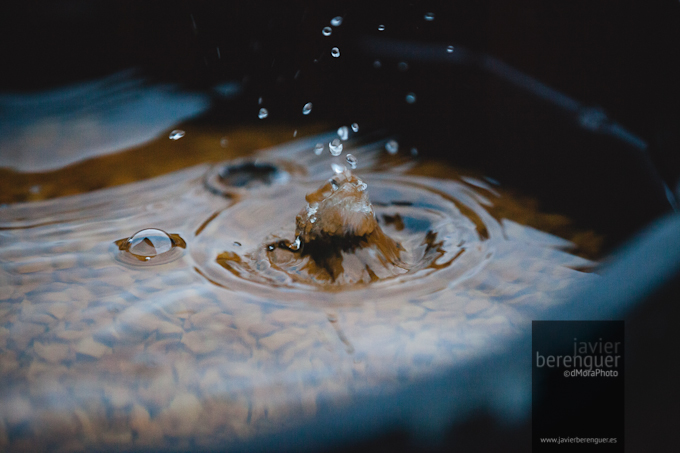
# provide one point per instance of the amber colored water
(225, 333)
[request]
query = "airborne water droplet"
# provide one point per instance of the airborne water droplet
(377, 64)
(307, 108)
(336, 21)
(449, 49)
(224, 142)
(337, 168)
(335, 147)
(414, 151)
(403, 66)
(381, 28)
(263, 113)
(352, 161)
(343, 133)
(392, 147)
(335, 52)
(411, 98)
(429, 17)
(355, 127)
(327, 31)
(318, 149)
(176, 134)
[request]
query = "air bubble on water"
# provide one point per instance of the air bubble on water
(414, 151)
(263, 113)
(352, 161)
(224, 142)
(271, 247)
(336, 21)
(355, 127)
(429, 17)
(318, 149)
(381, 28)
(335, 147)
(392, 147)
(327, 31)
(449, 49)
(307, 108)
(403, 66)
(411, 98)
(343, 133)
(335, 52)
(176, 134)
(150, 245)
(337, 168)
(377, 64)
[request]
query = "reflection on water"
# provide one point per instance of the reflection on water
(99, 351)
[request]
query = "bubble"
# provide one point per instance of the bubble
(343, 133)
(327, 31)
(336, 21)
(381, 28)
(449, 49)
(318, 149)
(429, 17)
(352, 161)
(335, 52)
(307, 108)
(224, 142)
(337, 168)
(263, 113)
(176, 134)
(335, 147)
(377, 64)
(150, 246)
(411, 98)
(392, 147)
(403, 66)
(355, 127)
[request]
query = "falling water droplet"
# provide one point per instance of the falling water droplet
(403, 66)
(411, 98)
(429, 17)
(377, 64)
(318, 149)
(449, 49)
(151, 246)
(176, 134)
(355, 127)
(263, 113)
(335, 147)
(327, 31)
(335, 52)
(414, 151)
(295, 133)
(381, 28)
(259, 100)
(343, 133)
(392, 147)
(237, 244)
(307, 108)
(336, 21)
(224, 142)
(352, 161)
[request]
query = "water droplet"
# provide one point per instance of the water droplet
(337, 168)
(336, 21)
(224, 142)
(263, 113)
(318, 149)
(237, 244)
(352, 161)
(414, 151)
(327, 31)
(343, 133)
(35, 189)
(377, 64)
(381, 28)
(295, 133)
(392, 147)
(403, 66)
(449, 49)
(259, 101)
(355, 127)
(176, 134)
(429, 17)
(335, 52)
(411, 98)
(307, 108)
(335, 147)
(151, 246)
